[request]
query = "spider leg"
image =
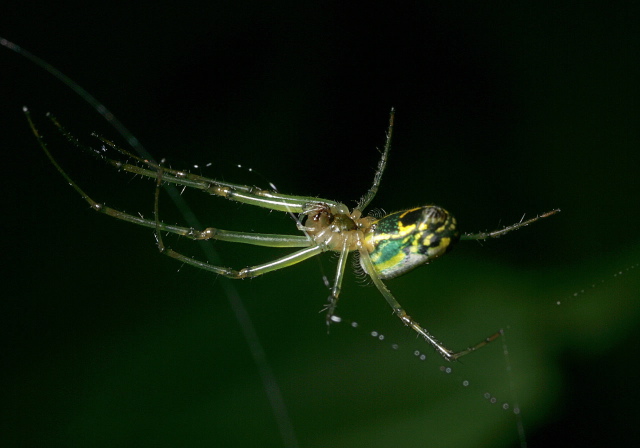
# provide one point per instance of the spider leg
(446, 353)
(310, 249)
(248, 272)
(235, 192)
(252, 271)
(256, 239)
(337, 282)
(500, 232)
(368, 197)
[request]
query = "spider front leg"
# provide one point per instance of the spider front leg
(268, 240)
(248, 272)
(245, 194)
(256, 239)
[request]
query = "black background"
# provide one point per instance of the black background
(501, 110)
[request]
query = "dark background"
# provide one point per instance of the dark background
(502, 110)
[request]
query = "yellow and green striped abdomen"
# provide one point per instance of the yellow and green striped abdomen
(405, 240)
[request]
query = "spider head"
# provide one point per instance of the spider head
(404, 240)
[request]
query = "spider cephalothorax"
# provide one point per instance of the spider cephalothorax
(336, 226)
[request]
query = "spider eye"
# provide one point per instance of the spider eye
(407, 239)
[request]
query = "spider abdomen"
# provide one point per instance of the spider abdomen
(404, 240)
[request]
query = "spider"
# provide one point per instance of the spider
(387, 247)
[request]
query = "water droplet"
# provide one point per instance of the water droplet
(487, 395)
(374, 333)
(336, 319)
(465, 383)
(505, 406)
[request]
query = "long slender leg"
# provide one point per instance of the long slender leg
(240, 193)
(447, 354)
(337, 282)
(511, 228)
(252, 271)
(256, 239)
(368, 197)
